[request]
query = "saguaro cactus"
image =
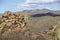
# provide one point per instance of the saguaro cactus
(26, 17)
(58, 31)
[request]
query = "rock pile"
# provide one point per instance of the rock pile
(12, 21)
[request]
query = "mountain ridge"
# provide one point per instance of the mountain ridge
(40, 11)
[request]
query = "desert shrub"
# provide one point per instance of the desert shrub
(26, 17)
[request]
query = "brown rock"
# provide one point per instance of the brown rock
(12, 17)
(6, 13)
(17, 13)
(9, 24)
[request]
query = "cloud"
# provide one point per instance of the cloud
(39, 1)
(33, 4)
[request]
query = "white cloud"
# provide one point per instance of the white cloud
(32, 4)
(39, 1)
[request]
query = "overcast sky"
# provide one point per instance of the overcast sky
(19, 5)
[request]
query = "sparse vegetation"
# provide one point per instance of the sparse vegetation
(14, 26)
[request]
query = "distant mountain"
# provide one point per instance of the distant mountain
(38, 11)
(46, 14)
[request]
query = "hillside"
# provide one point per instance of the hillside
(37, 26)
(13, 26)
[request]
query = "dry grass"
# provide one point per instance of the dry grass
(34, 29)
